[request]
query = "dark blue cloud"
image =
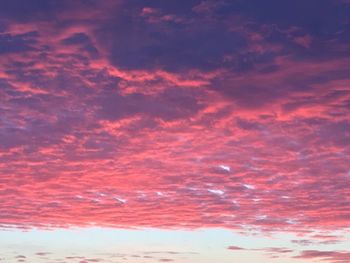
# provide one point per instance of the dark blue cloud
(194, 44)
(168, 105)
(317, 17)
(33, 10)
(82, 40)
(10, 43)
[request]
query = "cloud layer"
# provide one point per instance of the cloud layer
(175, 115)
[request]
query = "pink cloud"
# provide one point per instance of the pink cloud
(258, 142)
(329, 256)
(235, 248)
(304, 41)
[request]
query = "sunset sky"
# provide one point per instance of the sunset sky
(189, 131)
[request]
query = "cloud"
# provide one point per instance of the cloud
(318, 239)
(240, 125)
(328, 256)
(235, 248)
(93, 256)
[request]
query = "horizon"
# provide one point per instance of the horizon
(191, 131)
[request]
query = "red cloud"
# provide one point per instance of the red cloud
(262, 144)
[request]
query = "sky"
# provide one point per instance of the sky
(194, 131)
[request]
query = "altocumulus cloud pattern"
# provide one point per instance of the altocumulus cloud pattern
(178, 115)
